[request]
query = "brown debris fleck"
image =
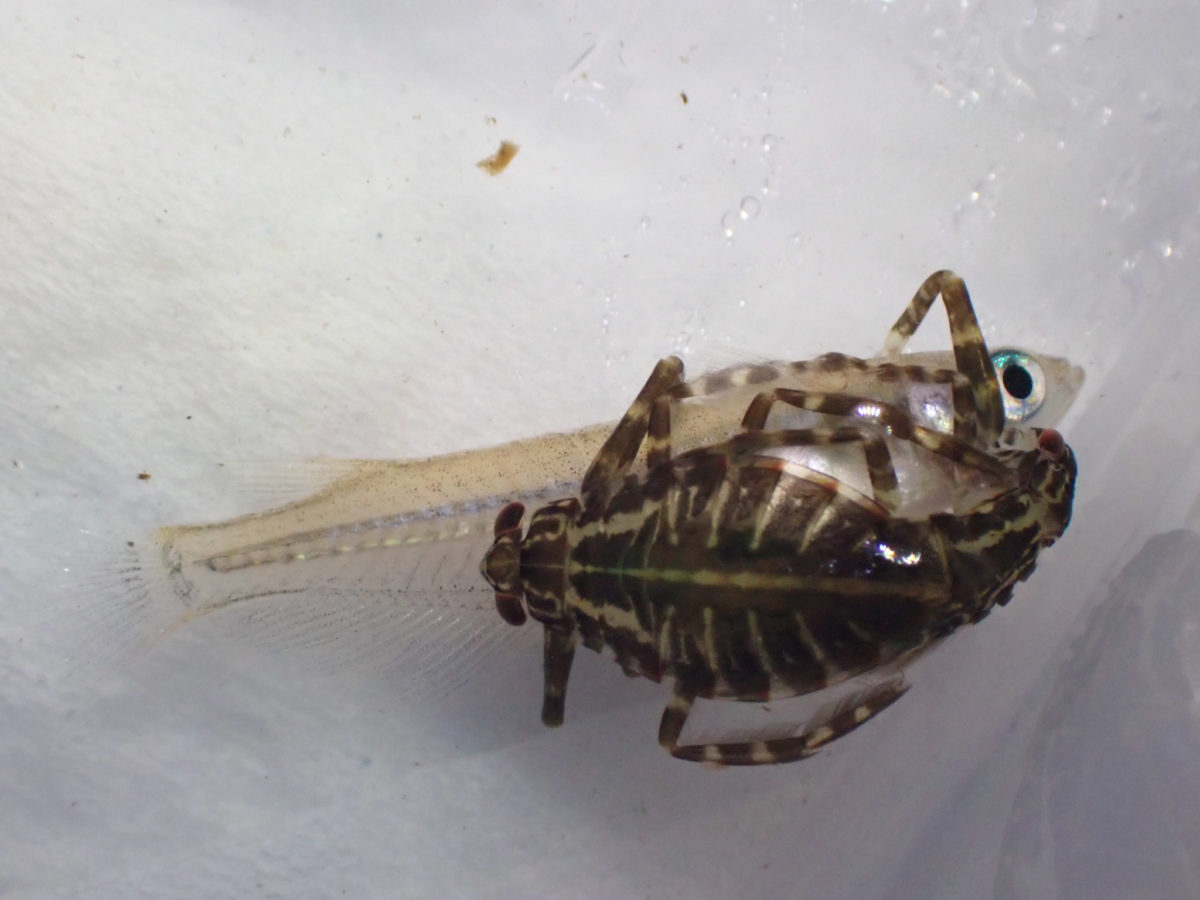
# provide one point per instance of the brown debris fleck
(498, 161)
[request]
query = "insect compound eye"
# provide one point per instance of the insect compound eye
(509, 520)
(510, 609)
(1051, 442)
(1022, 384)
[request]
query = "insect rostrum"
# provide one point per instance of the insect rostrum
(737, 575)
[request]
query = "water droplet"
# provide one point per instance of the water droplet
(749, 208)
(769, 142)
(1167, 250)
(606, 318)
(644, 225)
(729, 223)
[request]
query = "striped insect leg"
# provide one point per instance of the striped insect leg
(875, 450)
(962, 400)
(658, 441)
(970, 351)
(898, 422)
(674, 717)
(827, 726)
(619, 451)
(878, 458)
(559, 652)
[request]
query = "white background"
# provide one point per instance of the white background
(256, 230)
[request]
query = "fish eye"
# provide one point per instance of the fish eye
(1022, 384)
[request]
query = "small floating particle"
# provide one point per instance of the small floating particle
(498, 161)
(143, 476)
(683, 97)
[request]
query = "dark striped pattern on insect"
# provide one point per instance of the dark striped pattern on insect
(740, 576)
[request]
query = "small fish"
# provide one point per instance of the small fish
(380, 566)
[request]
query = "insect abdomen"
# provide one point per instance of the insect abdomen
(748, 581)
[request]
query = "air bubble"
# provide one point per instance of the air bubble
(748, 208)
(769, 142)
(729, 223)
(798, 249)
